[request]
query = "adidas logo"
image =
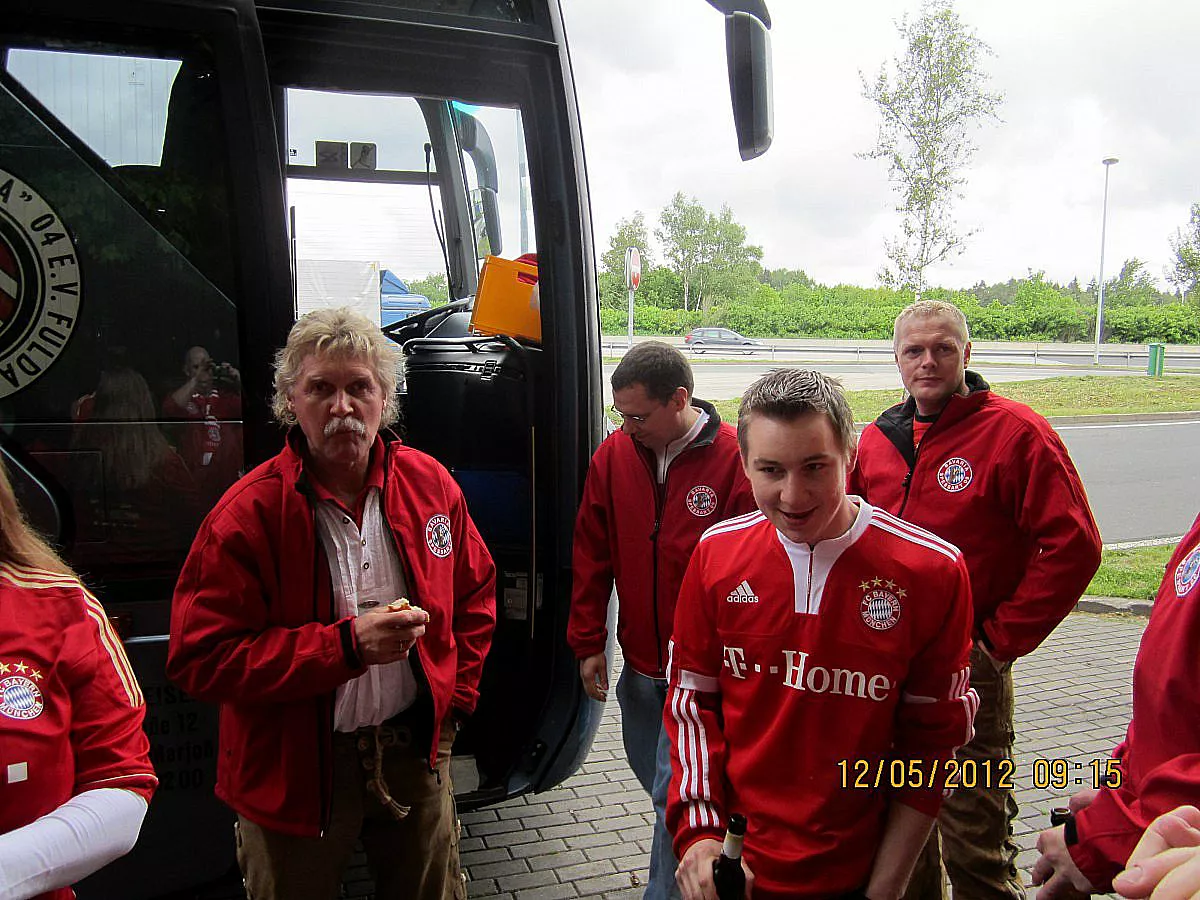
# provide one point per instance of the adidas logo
(742, 594)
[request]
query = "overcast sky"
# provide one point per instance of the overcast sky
(1083, 80)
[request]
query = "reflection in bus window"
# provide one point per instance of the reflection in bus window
(119, 107)
(116, 144)
(135, 500)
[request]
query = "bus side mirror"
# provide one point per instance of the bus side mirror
(748, 50)
(475, 141)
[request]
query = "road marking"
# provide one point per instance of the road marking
(1127, 425)
(1150, 542)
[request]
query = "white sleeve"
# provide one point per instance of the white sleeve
(84, 834)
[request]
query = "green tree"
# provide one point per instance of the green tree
(1184, 271)
(930, 102)
(706, 252)
(431, 286)
(781, 278)
(631, 232)
(1132, 286)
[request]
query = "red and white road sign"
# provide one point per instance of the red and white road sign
(633, 268)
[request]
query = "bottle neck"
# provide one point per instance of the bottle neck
(732, 848)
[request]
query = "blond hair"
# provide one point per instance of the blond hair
(19, 543)
(122, 428)
(932, 309)
(341, 334)
(785, 394)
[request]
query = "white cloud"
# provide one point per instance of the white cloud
(1083, 80)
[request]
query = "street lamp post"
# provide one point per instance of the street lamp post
(1108, 162)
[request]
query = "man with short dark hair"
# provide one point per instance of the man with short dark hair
(818, 677)
(652, 488)
(338, 604)
(989, 475)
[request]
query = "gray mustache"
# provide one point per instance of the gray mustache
(345, 423)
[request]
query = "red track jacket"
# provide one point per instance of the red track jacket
(810, 687)
(641, 534)
(1158, 763)
(994, 479)
(252, 625)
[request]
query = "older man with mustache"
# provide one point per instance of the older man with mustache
(339, 704)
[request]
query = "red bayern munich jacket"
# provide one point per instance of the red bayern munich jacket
(810, 687)
(253, 629)
(993, 478)
(640, 534)
(1158, 763)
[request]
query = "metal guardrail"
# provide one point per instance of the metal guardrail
(1133, 359)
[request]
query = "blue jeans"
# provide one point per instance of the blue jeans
(649, 753)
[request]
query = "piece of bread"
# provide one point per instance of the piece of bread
(402, 604)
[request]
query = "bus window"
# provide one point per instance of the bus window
(122, 308)
(354, 218)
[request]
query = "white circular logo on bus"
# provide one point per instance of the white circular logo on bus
(955, 475)
(20, 698)
(39, 285)
(702, 501)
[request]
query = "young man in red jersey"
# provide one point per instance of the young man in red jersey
(989, 475)
(815, 640)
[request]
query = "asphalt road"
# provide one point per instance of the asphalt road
(1141, 478)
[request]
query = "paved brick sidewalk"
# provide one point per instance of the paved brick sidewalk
(590, 838)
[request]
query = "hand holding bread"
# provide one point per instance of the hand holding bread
(386, 635)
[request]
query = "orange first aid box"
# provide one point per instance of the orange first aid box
(507, 301)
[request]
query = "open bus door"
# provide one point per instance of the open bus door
(163, 166)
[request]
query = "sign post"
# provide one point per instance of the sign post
(633, 277)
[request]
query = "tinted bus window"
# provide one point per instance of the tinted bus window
(116, 295)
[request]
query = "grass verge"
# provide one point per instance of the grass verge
(1134, 574)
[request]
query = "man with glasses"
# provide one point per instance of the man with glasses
(671, 472)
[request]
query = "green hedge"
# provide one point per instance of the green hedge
(1037, 313)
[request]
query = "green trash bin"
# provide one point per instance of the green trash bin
(1156, 359)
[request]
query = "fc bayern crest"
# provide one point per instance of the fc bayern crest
(39, 285)
(20, 698)
(880, 609)
(1187, 573)
(437, 536)
(702, 501)
(955, 475)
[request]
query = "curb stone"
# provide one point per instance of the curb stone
(1124, 605)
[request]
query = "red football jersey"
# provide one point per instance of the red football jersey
(70, 707)
(794, 671)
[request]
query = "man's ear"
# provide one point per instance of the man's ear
(681, 399)
(967, 354)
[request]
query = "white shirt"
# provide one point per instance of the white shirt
(673, 449)
(366, 574)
